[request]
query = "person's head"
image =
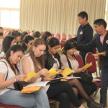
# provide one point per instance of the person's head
(36, 34)
(27, 42)
(1, 28)
(83, 17)
(70, 46)
(17, 36)
(36, 52)
(23, 34)
(14, 54)
(53, 45)
(1, 33)
(7, 43)
(46, 35)
(99, 25)
(11, 31)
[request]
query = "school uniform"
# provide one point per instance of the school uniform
(84, 36)
(104, 61)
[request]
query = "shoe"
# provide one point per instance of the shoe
(92, 104)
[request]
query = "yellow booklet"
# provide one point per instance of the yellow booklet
(98, 54)
(30, 76)
(87, 65)
(30, 89)
(67, 71)
(52, 72)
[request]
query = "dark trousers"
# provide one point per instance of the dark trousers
(104, 85)
(63, 92)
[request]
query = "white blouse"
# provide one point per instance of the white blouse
(3, 70)
(32, 69)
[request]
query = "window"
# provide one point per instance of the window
(106, 13)
(9, 13)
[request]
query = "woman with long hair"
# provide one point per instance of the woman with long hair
(34, 61)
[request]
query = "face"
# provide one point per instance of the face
(54, 49)
(81, 20)
(71, 51)
(39, 50)
(13, 42)
(16, 56)
(98, 28)
(29, 43)
(18, 38)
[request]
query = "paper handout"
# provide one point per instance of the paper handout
(87, 65)
(30, 89)
(67, 71)
(52, 72)
(98, 54)
(30, 76)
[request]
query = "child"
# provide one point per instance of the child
(101, 43)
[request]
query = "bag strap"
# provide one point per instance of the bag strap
(7, 74)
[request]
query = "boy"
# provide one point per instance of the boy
(84, 33)
(101, 43)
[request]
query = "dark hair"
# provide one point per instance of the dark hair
(16, 34)
(83, 14)
(37, 60)
(14, 48)
(7, 42)
(1, 27)
(23, 34)
(100, 22)
(1, 33)
(45, 35)
(69, 44)
(11, 31)
(53, 42)
(26, 41)
(36, 34)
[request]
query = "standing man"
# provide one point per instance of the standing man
(84, 33)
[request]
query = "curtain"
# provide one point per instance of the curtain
(58, 16)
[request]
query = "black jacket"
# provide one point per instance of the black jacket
(101, 48)
(49, 60)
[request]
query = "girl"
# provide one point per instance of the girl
(9, 74)
(34, 61)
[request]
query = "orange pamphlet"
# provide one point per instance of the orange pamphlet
(30, 89)
(87, 65)
(67, 71)
(52, 72)
(30, 76)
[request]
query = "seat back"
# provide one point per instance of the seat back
(80, 60)
(88, 59)
(9, 106)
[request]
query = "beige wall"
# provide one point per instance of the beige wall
(58, 16)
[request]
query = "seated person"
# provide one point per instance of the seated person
(9, 74)
(68, 55)
(52, 59)
(34, 61)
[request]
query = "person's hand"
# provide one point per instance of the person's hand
(49, 78)
(32, 80)
(81, 70)
(44, 72)
(20, 77)
(59, 71)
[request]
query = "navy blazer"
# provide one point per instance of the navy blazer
(101, 48)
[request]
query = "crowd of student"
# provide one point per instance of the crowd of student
(22, 53)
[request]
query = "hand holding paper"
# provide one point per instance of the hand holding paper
(52, 72)
(87, 65)
(30, 76)
(67, 71)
